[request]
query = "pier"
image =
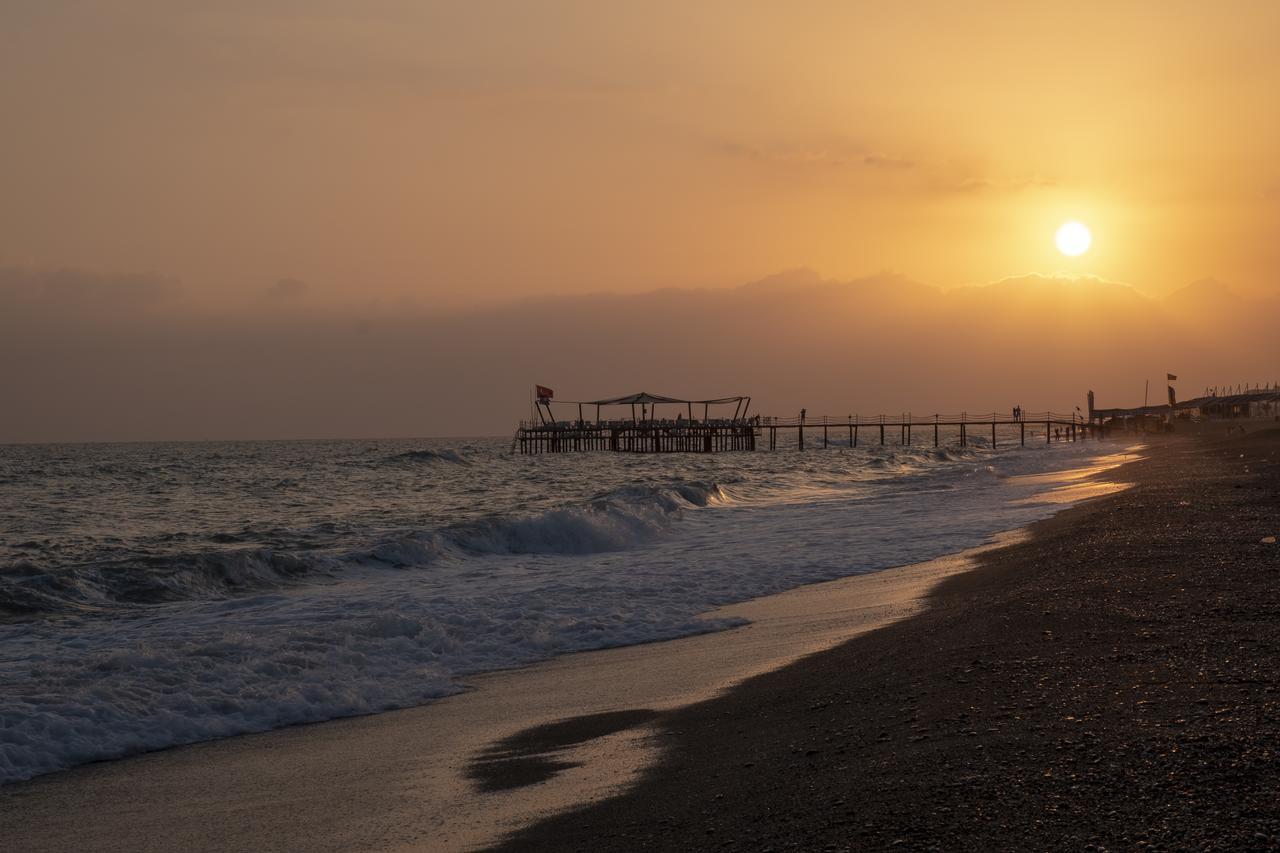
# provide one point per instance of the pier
(962, 428)
(709, 426)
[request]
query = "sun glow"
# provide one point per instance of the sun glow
(1073, 239)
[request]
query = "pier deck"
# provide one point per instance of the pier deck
(638, 437)
(961, 427)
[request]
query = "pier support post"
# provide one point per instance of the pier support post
(801, 430)
(882, 434)
(1024, 433)
(935, 430)
(824, 436)
(993, 433)
(855, 435)
(1048, 432)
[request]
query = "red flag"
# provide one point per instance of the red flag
(544, 393)
(1172, 378)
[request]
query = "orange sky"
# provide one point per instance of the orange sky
(286, 218)
(468, 153)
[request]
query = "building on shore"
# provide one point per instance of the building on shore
(1258, 404)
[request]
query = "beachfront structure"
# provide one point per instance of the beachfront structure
(1260, 403)
(635, 424)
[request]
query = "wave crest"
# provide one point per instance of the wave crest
(626, 518)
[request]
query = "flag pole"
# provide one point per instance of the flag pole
(1146, 392)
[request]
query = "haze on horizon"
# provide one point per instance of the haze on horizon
(306, 219)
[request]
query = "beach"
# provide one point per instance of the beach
(1095, 679)
(460, 773)
(520, 745)
(1110, 683)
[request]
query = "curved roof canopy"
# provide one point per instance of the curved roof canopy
(646, 397)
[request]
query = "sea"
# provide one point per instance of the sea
(160, 594)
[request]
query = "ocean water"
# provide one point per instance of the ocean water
(160, 594)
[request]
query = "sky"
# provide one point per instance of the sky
(291, 173)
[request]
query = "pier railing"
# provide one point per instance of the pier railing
(910, 419)
(1057, 426)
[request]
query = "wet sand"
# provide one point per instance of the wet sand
(1111, 683)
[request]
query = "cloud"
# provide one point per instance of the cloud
(885, 161)
(786, 154)
(834, 154)
(287, 289)
(842, 154)
(973, 183)
(70, 288)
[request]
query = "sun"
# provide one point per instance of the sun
(1073, 239)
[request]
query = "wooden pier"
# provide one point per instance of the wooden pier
(694, 429)
(962, 427)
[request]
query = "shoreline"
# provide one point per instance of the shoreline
(1109, 682)
(460, 777)
(431, 801)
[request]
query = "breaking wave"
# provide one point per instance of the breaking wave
(450, 456)
(625, 518)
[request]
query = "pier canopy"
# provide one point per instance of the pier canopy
(644, 407)
(649, 403)
(646, 397)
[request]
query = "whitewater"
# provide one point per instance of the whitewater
(159, 594)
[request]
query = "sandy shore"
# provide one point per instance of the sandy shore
(463, 772)
(456, 774)
(1111, 683)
